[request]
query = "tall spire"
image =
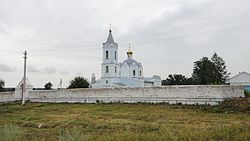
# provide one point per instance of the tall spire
(110, 27)
(110, 37)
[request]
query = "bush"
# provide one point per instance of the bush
(78, 82)
(247, 93)
(240, 105)
(2, 85)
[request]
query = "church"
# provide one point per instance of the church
(128, 73)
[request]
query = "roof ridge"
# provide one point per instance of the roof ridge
(239, 74)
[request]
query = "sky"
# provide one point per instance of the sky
(64, 38)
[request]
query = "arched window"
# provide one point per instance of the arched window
(107, 69)
(133, 72)
(115, 55)
(140, 73)
(107, 81)
(115, 69)
(107, 54)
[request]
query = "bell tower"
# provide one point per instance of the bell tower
(110, 67)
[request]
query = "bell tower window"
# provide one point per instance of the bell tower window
(115, 55)
(107, 54)
(107, 69)
(115, 69)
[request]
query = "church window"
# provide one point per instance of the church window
(115, 69)
(115, 55)
(107, 81)
(133, 72)
(107, 69)
(140, 73)
(107, 54)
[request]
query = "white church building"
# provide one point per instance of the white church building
(129, 73)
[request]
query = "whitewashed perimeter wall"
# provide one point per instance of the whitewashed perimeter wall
(7, 96)
(206, 94)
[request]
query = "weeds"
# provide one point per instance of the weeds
(125, 122)
(10, 132)
(71, 135)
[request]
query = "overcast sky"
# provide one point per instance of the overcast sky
(64, 38)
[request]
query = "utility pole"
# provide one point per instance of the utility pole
(60, 84)
(24, 78)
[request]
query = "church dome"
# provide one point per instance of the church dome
(130, 61)
(130, 67)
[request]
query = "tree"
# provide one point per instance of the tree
(78, 82)
(208, 71)
(48, 86)
(221, 74)
(189, 81)
(2, 83)
(204, 71)
(177, 79)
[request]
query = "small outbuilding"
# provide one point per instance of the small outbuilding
(243, 78)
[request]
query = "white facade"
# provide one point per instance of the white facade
(129, 73)
(242, 78)
(19, 88)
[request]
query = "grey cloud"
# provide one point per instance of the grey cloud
(46, 70)
(6, 68)
(32, 69)
(64, 72)
(161, 32)
(49, 70)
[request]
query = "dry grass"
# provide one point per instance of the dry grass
(126, 122)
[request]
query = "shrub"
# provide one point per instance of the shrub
(78, 82)
(247, 93)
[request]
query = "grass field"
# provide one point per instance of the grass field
(126, 122)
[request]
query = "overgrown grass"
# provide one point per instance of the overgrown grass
(10, 132)
(221, 133)
(123, 122)
(236, 105)
(71, 135)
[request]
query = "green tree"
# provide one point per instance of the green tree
(48, 86)
(189, 81)
(78, 82)
(2, 83)
(221, 73)
(204, 72)
(212, 71)
(177, 79)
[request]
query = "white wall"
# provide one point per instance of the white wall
(127, 70)
(132, 82)
(170, 94)
(7, 96)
